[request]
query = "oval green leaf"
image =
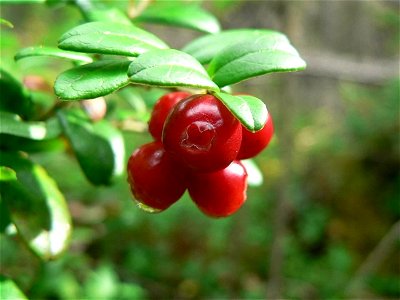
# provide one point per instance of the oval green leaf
(99, 147)
(169, 68)
(253, 58)
(12, 124)
(92, 80)
(206, 47)
(181, 15)
(110, 38)
(9, 290)
(249, 110)
(51, 51)
(37, 207)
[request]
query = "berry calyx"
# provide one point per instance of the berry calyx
(161, 110)
(220, 193)
(155, 179)
(254, 142)
(202, 133)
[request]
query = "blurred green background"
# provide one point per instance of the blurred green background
(323, 225)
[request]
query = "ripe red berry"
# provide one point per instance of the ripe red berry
(220, 193)
(254, 142)
(161, 110)
(155, 179)
(202, 133)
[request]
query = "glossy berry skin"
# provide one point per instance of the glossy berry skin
(161, 110)
(254, 142)
(202, 133)
(220, 193)
(155, 179)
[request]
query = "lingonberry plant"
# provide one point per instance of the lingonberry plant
(200, 129)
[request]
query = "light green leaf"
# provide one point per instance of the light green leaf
(254, 174)
(50, 51)
(107, 13)
(169, 68)
(99, 147)
(182, 15)
(206, 47)
(12, 124)
(250, 111)
(253, 58)
(6, 23)
(110, 38)
(37, 207)
(9, 290)
(7, 174)
(92, 80)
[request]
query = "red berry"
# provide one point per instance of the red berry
(161, 110)
(220, 193)
(254, 142)
(202, 133)
(155, 179)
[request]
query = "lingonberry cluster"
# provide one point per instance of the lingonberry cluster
(198, 145)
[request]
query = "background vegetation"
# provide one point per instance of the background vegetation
(325, 222)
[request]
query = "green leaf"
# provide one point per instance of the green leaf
(12, 124)
(253, 58)
(92, 80)
(110, 38)
(6, 23)
(99, 147)
(37, 207)
(50, 51)
(99, 13)
(206, 47)
(169, 68)
(250, 111)
(182, 15)
(9, 290)
(13, 96)
(254, 174)
(7, 174)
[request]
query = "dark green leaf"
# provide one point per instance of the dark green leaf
(13, 125)
(13, 96)
(169, 68)
(206, 47)
(250, 111)
(9, 290)
(99, 147)
(37, 207)
(253, 58)
(54, 52)
(110, 38)
(92, 80)
(182, 15)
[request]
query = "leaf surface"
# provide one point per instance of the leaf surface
(249, 110)
(169, 68)
(35, 130)
(9, 290)
(53, 52)
(205, 48)
(110, 38)
(181, 15)
(99, 147)
(92, 80)
(37, 207)
(253, 58)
